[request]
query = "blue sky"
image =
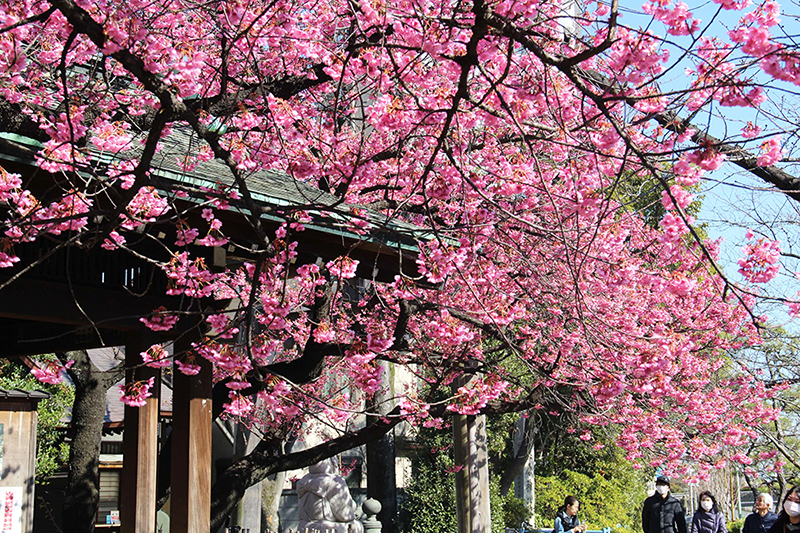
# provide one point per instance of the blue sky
(732, 199)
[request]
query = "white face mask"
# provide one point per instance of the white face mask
(792, 508)
(707, 504)
(662, 489)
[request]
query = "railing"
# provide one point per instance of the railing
(527, 528)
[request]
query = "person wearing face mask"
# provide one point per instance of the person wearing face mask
(789, 518)
(762, 519)
(708, 518)
(662, 512)
(567, 517)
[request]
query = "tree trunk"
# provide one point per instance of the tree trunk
(82, 494)
(751, 486)
(248, 512)
(237, 478)
(783, 486)
(271, 490)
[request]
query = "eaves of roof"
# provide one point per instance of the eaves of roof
(270, 188)
(19, 394)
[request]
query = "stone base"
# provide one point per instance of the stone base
(324, 526)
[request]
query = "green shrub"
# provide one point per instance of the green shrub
(429, 502)
(606, 501)
(52, 451)
(735, 526)
(515, 511)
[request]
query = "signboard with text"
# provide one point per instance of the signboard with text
(11, 501)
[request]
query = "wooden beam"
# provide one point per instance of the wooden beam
(28, 337)
(191, 448)
(140, 444)
(41, 300)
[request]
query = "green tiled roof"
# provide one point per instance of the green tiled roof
(271, 188)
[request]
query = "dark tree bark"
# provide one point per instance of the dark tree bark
(237, 478)
(82, 494)
(266, 460)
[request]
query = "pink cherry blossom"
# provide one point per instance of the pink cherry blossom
(478, 178)
(188, 365)
(750, 131)
(135, 393)
(114, 241)
(238, 405)
(156, 357)
(145, 207)
(761, 259)
(343, 267)
(160, 319)
(52, 372)
(221, 326)
(7, 260)
(771, 152)
(111, 137)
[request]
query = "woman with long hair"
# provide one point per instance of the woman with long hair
(789, 518)
(708, 518)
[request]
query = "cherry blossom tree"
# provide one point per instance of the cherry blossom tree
(498, 135)
(774, 458)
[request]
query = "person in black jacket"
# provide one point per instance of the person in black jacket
(708, 518)
(762, 518)
(789, 519)
(662, 512)
(567, 517)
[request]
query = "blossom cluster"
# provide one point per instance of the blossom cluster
(761, 261)
(478, 191)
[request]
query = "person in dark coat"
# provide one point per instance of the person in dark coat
(662, 512)
(762, 519)
(567, 517)
(789, 518)
(708, 518)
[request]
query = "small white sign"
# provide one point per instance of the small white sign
(11, 501)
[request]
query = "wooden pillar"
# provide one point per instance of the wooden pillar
(18, 457)
(191, 449)
(472, 481)
(140, 444)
